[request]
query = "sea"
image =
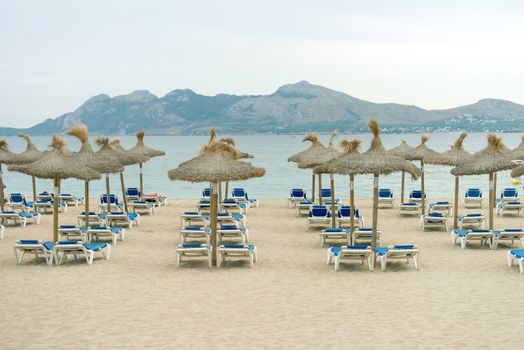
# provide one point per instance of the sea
(271, 152)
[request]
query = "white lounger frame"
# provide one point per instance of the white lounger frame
(191, 252)
(472, 220)
(427, 221)
(36, 249)
(520, 261)
(352, 254)
(61, 251)
(93, 234)
(483, 237)
(223, 253)
(396, 254)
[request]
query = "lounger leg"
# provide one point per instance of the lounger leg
(509, 258)
(415, 261)
(321, 241)
(521, 265)
(329, 256)
(383, 263)
(219, 260)
(370, 262)
(462, 243)
(337, 262)
(255, 253)
(251, 258)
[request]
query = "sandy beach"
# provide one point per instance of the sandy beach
(290, 300)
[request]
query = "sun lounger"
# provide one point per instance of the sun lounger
(296, 195)
(441, 207)
(225, 218)
(350, 252)
(404, 251)
(203, 206)
(240, 195)
(344, 217)
(410, 208)
(232, 232)
(334, 234)
(509, 194)
(192, 250)
(192, 233)
(79, 249)
(318, 217)
(141, 207)
(416, 196)
(508, 235)
(44, 196)
(18, 202)
(471, 219)
(94, 218)
(2, 231)
(206, 194)
(510, 207)
(19, 218)
(189, 218)
(433, 220)
(468, 236)
(69, 199)
(232, 206)
(123, 219)
(236, 251)
(34, 247)
(473, 198)
(326, 196)
(385, 198)
(72, 232)
(114, 204)
(132, 194)
(95, 233)
(303, 207)
(516, 254)
(155, 199)
(45, 207)
(364, 235)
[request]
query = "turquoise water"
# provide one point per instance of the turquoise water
(271, 152)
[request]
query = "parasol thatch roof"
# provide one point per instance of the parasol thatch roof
(402, 150)
(55, 163)
(350, 151)
(242, 155)
(518, 152)
(455, 156)
(108, 153)
(142, 149)
(217, 163)
(421, 152)
(6, 156)
(491, 159)
(374, 161)
(30, 154)
(88, 157)
(323, 155)
(313, 150)
(518, 171)
(127, 157)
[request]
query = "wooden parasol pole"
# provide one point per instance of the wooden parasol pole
(213, 214)
(123, 191)
(226, 188)
(375, 212)
(402, 187)
(491, 196)
(423, 193)
(141, 179)
(494, 190)
(312, 188)
(352, 202)
(33, 182)
(86, 203)
(219, 191)
(108, 194)
(333, 218)
(56, 184)
(320, 189)
(2, 198)
(455, 204)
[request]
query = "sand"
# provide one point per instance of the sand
(290, 300)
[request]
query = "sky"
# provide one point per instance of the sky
(54, 55)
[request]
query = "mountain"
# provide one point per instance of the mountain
(292, 108)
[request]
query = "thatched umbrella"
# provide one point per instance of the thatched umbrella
(6, 157)
(402, 150)
(217, 163)
(350, 151)
(55, 165)
(242, 155)
(89, 158)
(518, 171)
(313, 150)
(321, 156)
(30, 155)
(457, 155)
(489, 160)
(421, 152)
(375, 161)
(141, 149)
(126, 158)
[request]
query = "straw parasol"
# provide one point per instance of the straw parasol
(217, 163)
(518, 152)
(6, 157)
(374, 161)
(350, 151)
(242, 155)
(457, 155)
(56, 165)
(323, 155)
(518, 171)
(402, 150)
(494, 157)
(30, 155)
(421, 152)
(143, 150)
(314, 149)
(87, 157)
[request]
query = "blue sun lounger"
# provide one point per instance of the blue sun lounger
(231, 232)
(468, 236)
(351, 252)
(442, 207)
(303, 207)
(296, 195)
(385, 198)
(318, 217)
(227, 251)
(433, 220)
(409, 208)
(71, 232)
(95, 233)
(365, 235)
(416, 196)
(336, 233)
(509, 235)
(114, 204)
(93, 217)
(471, 219)
(18, 202)
(509, 194)
(344, 217)
(473, 198)
(402, 251)
(510, 207)
(19, 218)
(132, 194)
(518, 255)
(191, 233)
(34, 247)
(193, 250)
(79, 249)
(120, 218)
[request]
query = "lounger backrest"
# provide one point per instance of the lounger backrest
(206, 192)
(416, 194)
(346, 212)
(474, 192)
(239, 192)
(326, 193)
(385, 193)
(133, 191)
(17, 198)
(318, 211)
(113, 199)
(510, 192)
(298, 193)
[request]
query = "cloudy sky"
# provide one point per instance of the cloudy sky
(434, 54)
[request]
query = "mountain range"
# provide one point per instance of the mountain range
(291, 108)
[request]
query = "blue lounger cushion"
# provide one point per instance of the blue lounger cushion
(513, 230)
(49, 245)
(438, 215)
(336, 229)
(404, 246)
(239, 246)
(460, 233)
(28, 241)
(95, 247)
(409, 204)
(442, 203)
(191, 213)
(68, 226)
(192, 245)
(28, 215)
(228, 227)
(193, 228)
(514, 203)
(518, 253)
(132, 216)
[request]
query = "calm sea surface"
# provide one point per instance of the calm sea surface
(271, 152)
